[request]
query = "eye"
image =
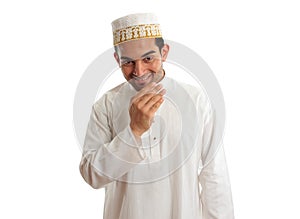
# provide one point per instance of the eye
(128, 63)
(148, 59)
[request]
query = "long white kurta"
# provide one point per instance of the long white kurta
(172, 173)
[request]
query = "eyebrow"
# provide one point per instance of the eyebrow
(147, 53)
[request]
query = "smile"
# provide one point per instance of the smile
(143, 78)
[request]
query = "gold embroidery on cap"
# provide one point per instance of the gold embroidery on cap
(137, 32)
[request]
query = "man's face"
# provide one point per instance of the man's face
(141, 61)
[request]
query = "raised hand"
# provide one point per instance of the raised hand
(143, 107)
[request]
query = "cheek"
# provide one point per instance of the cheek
(156, 66)
(126, 75)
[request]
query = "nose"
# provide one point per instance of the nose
(139, 68)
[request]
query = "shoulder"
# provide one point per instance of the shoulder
(105, 101)
(195, 93)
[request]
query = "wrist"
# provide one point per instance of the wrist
(137, 133)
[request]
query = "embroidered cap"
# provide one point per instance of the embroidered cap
(135, 26)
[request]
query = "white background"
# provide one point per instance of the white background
(253, 47)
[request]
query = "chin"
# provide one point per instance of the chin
(139, 84)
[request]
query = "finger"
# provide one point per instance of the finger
(155, 106)
(157, 88)
(152, 101)
(142, 101)
(144, 91)
(148, 88)
(162, 92)
(151, 88)
(132, 109)
(147, 97)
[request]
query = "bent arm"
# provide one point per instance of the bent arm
(106, 158)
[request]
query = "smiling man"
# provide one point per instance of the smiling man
(148, 142)
(143, 64)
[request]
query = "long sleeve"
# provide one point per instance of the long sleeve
(216, 192)
(213, 175)
(106, 157)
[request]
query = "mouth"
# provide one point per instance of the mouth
(142, 79)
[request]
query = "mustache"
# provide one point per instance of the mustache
(143, 76)
(147, 74)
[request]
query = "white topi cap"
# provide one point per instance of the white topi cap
(135, 26)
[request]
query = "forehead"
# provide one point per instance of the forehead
(136, 48)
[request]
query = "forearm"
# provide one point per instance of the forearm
(112, 160)
(107, 155)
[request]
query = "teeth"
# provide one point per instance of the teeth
(142, 78)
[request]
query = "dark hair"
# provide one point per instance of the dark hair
(159, 41)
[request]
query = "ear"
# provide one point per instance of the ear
(117, 58)
(165, 52)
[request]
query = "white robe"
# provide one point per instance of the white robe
(172, 173)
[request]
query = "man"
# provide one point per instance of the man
(148, 141)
